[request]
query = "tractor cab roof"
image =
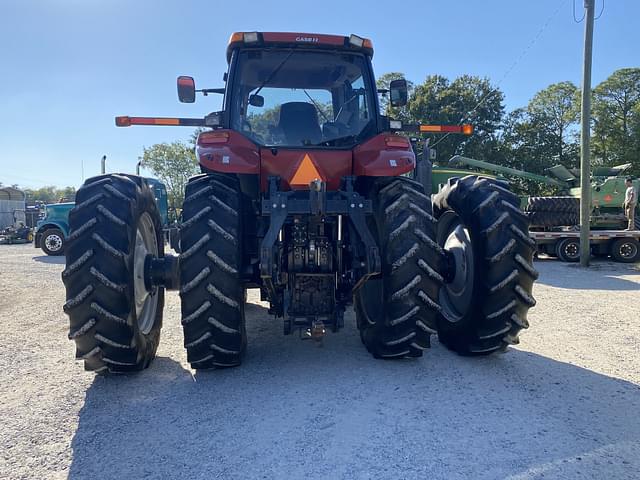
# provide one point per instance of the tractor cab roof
(297, 40)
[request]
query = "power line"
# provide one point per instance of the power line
(601, 11)
(575, 19)
(584, 14)
(510, 69)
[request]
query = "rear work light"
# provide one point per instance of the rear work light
(246, 37)
(212, 138)
(360, 42)
(397, 141)
(250, 37)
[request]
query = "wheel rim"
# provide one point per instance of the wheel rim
(628, 250)
(457, 293)
(572, 250)
(146, 297)
(53, 242)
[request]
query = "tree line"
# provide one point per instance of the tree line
(534, 137)
(46, 194)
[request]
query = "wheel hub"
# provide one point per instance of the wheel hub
(53, 242)
(457, 294)
(145, 294)
(628, 250)
(572, 250)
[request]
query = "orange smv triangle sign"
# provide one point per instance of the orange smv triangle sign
(306, 172)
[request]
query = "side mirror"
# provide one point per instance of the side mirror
(398, 93)
(256, 100)
(186, 89)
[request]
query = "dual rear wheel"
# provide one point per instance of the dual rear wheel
(460, 268)
(465, 269)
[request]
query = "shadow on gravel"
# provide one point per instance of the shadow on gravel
(59, 260)
(601, 275)
(299, 410)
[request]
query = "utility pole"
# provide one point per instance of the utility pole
(585, 163)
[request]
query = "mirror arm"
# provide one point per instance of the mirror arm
(207, 91)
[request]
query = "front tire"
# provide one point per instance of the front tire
(396, 312)
(52, 242)
(488, 286)
(115, 318)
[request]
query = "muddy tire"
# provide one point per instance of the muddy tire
(52, 242)
(396, 312)
(488, 282)
(212, 291)
(115, 320)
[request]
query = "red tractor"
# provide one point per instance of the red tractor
(308, 193)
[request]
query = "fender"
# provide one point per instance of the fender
(227, 151)
(385, 155)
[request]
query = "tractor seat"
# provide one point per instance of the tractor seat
(299, 123)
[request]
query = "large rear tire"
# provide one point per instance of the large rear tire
(489, 280)
(115, 318)
(212, 291)
(396, 312)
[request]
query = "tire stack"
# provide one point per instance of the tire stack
(553, 211)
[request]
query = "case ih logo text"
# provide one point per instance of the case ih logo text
(307, 39)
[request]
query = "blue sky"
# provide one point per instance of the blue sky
(70, 66)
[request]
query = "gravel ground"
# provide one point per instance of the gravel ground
(564, 404)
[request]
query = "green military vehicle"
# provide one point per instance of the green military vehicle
(554, 220)
(53, 230)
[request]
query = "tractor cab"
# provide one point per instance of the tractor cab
(281, 97)
(301, 103)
